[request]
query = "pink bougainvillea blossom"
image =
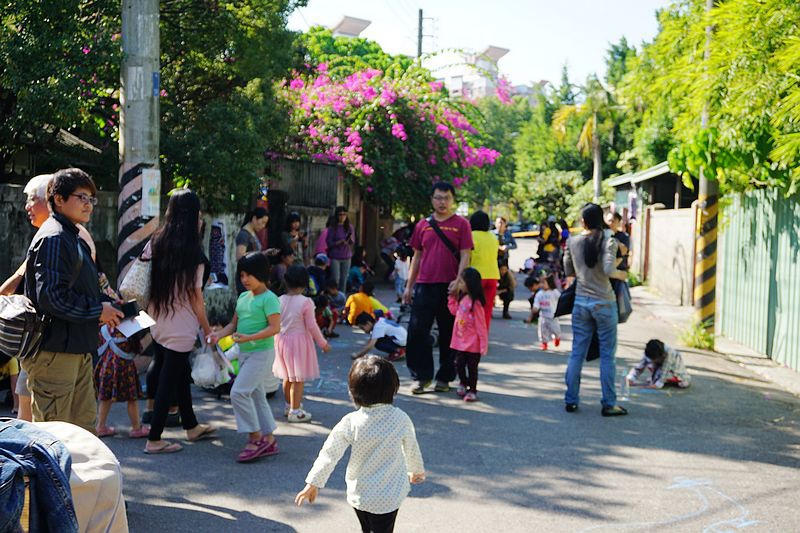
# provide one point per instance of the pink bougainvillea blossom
(399, 131)
(503, 90)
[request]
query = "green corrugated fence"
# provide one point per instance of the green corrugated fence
(758, 285)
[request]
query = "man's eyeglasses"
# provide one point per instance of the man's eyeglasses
(437, 198)
(85, 198)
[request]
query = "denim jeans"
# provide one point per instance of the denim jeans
(399, 286)
(28, 450)
(429, 303)
(590, 315)
(340, 269)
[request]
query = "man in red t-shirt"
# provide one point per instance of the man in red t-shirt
(434, 268)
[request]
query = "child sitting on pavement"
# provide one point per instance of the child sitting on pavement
(359, 302)
(665, 366)
(326, 317)
(384, 335)
(336, 298)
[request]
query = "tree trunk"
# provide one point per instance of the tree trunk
(597, 163)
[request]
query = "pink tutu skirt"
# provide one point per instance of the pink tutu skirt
(295, 357)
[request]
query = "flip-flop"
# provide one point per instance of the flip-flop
(207, 433)
(170, 447)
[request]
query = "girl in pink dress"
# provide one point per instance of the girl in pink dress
(295, 355)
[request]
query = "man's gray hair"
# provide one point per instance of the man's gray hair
(37, 186)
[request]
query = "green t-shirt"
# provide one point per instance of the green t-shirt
(253, 311)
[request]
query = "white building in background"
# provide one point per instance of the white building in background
(468, 74)
(350, 27)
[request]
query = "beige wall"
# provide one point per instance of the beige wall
(670, 254)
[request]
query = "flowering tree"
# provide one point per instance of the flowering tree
(394, 130)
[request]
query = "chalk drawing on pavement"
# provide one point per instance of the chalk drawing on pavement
(327, 382)
(705, 491)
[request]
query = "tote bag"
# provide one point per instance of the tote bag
(136, 284)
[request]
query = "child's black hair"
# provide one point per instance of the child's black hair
(322, 301)
(402, 252)
(331, 284)
(472, 279)
(550, 280)
(372, 380)
(531, 280)
(654, 350)
(479, 221)
(364, 318)
(256, 264)
(368, 288)
(296, 277)
(320, 261)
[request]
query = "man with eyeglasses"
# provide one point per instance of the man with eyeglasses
(439, 258)
(61, 282)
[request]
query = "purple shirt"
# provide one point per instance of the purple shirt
(340, 251)
(438, 263)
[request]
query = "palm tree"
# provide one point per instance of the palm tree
(596, 112)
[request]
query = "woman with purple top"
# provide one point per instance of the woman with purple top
(340, 242)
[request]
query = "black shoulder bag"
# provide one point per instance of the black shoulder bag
(450, 246)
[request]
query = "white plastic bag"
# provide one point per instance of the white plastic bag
(205, 370)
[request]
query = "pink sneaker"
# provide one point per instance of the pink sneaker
(471, 397)
(461, 391)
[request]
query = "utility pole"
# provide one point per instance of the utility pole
(139, 177)
(705, 262)
(419, 35)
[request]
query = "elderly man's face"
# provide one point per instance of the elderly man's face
(37, 210)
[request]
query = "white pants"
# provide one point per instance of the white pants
(549, 328)
(249, 392)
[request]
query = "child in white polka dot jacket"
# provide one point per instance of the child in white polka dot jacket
(385, 458)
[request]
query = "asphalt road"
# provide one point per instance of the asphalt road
(720, 456)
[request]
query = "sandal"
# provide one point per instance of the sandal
(140, 433)
(167, 447)
(106, 431)
(206, 432)
(263, 448)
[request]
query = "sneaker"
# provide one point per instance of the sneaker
(288, 408)
(507, 316)
(543, 346)
(299, 416)
(461, 391)
(614, 411)
(471, 397)
(397, 355)
(418, 387)
(571, 407)
(442, 386)
(557, 341)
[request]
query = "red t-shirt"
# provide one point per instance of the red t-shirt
(438, 264)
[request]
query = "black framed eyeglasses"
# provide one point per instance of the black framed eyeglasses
(85, 198)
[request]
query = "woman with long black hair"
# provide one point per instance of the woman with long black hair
(176, 303)
(590, 258)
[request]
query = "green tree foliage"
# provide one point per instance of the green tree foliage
(219, 112)
(343, 55)
(547, 193)
(500, 125)
(747, 85)
(59, 69)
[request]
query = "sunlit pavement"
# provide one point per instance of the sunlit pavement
(720, 456)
